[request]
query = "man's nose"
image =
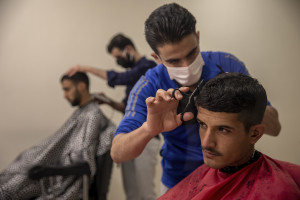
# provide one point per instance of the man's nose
(208, 139)
(186, 63)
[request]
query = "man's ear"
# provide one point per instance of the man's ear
(129, 48)
(256, 132)
(81, 86)
(156, 58)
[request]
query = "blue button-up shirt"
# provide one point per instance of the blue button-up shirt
(130, 77)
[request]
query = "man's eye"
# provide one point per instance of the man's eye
(224, 130)
(173, 62)
(202, 125)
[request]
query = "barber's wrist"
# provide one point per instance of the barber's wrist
(87, 69)
(149, 133)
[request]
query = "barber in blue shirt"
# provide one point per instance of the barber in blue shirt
(170, 32)
(138, 174)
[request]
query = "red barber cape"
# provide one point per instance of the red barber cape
(265, 178)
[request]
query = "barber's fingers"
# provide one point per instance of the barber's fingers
(73, 70)
(187, 116)
(150, 101)
(184, 89)
(162, 95)
(175, 93)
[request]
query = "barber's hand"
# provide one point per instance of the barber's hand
(74, 69)
(101, 98)
(162, 111)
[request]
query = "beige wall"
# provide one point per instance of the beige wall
(39, 40)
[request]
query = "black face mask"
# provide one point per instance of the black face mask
(126, 62)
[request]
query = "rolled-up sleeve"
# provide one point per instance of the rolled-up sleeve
(125, 78)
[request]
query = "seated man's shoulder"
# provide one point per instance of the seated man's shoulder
(91, 111)
(198, 174)
(290, 169)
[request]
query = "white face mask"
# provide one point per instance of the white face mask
(189, 75)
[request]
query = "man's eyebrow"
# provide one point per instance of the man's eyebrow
(192, 51)
(172, 60)
(220, 126)
(226, 126)
(189, 54)
(199, 120)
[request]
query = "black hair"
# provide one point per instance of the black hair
(76, 78)
(235, 93)
(120, 41)
(169, 23)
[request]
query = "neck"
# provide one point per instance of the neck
(233, 169)
(85, 99)
(137, 57)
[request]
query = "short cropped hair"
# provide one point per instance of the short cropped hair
(120, 41)
(235, 93)
(169, 23)
(76, 78)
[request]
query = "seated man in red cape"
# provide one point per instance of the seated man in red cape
(230, 113)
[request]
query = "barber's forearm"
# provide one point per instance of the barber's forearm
(127, 146)
(98, 72)
(120, 106)
(271, 121)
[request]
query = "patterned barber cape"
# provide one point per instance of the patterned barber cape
(85, 135)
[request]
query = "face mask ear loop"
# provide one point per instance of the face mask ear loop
(127, 55)
(220, 68)
(131, 57)
(124, 53)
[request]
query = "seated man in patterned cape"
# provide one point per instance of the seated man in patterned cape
(85, 136)
(230, 112)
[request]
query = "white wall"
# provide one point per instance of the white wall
(40, 40)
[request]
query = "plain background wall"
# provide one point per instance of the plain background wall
(40, 40)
